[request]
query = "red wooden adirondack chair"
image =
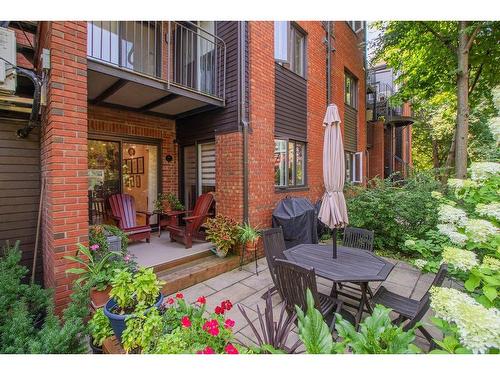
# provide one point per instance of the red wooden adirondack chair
(194, 221)
(124, 213)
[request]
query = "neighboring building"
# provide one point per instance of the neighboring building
(183, 107)
(389, 127)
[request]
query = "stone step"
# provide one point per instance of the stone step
(196, 271)
(180, 261)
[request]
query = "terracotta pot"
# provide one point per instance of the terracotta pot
(99, 298)
(251, 245)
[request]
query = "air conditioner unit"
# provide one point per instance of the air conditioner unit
(7, 61)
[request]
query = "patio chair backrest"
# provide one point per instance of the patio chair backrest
(293, 280)
(274, 246)
(123, 207)
(358, 238)
(425, 301)
(201, 209)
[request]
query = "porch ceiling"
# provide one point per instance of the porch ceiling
(108, 85)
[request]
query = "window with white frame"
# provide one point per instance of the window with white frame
(354, 167)
(289, 163)
(356, 26)
(290, 46)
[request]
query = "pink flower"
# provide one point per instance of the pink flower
(230, 349)
(126, 258)
(207, 350)
(212, 327)
(201, 300)
(229, 323)
(94, 247)
(226, 305)
(170, 301)
(179, 296)
(185, 322)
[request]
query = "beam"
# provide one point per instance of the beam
(159, 102)
(195, 111)
(109, 91)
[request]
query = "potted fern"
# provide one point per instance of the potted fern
(248, 236)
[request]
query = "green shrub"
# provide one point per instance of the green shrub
(28, 323)
(394, 212)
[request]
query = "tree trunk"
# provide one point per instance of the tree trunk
(435, 154)
(462, 130)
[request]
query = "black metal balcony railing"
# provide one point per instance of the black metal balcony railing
(178, 53)
(378, 102)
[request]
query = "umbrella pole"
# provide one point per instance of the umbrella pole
(334, 236)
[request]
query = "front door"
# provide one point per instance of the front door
(119, 166)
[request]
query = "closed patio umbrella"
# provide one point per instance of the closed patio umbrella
(333, 211)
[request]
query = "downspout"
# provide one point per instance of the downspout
(35, 109)
(242, 112)
(328, 62)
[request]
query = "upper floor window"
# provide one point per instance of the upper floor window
(290, 46)
(289, 163)
(356, 26)
(350, 90)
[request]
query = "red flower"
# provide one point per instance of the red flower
(219, 310)
(170, 301)
(229, 323)
(212, 327)
(201, 300)
(179, 296)
(230, 349)
(207, 350)
(226, 305)
(185, 322)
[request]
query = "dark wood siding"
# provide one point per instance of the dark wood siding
(19, 189)
(203, 125)
(350, 129)
(291, 104)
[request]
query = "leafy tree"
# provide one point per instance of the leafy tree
(459, 59)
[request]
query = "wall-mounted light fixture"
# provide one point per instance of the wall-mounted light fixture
(169, 158)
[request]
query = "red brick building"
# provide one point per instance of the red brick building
(149, 107)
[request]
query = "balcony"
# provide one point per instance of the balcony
(167, 68)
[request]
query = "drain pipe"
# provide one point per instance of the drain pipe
(328, 62)
(243, 115)
(35, 109)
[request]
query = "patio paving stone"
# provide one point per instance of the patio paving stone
(229, 278)
(259, 282)
(235, 293)
(192, 293)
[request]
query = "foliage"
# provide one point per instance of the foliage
(95, 269)
(222, 231)
(376, 335)
(99, 327)
(28, 323)
(98, 236)
(394, 212)
(274, 335)
(173, 202)
(450, 343)
(135, 291)
(178, 328)
(247, 233)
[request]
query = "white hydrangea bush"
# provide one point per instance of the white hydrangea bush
(481, 171)
(478, 230)
(451, 215)
(491, 210)
(463, 260)
(478, 327)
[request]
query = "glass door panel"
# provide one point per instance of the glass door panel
(189, 167)
(104, 176)
(140, 177)
(206, 167)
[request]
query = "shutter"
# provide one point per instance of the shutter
(350, 129)
(281, 40)
(207, 164)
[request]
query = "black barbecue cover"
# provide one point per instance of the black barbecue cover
(297, 217)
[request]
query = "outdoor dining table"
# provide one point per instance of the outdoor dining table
(350, 265)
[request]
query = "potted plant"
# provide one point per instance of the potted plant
(100, 330)
(222, 231)
(131, 294)
(167, 202)
(248, 236)
(97, 270)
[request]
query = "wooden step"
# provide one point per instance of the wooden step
(196, 271)
(180, 261)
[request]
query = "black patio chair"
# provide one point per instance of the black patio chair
(274, 246)
(409, 309)
(358, 238)
(293, 280)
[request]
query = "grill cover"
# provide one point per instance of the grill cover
(298, 219)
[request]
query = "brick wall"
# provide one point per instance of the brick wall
(111, 121)
(64, 153)
(348, 55)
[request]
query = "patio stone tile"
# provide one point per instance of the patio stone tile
(255, 300)
(236, 315)
(192, 293)
(403, 277)
(406, 266)
(244, 340)
(235, 293)
(248, 337)
(422, 343)
(226, 279)
(250, 267)
(258, 282)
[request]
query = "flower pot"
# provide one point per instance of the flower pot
(99, 298)
(218, 252)
(118, 321)
(95, 349)
(251, 246)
